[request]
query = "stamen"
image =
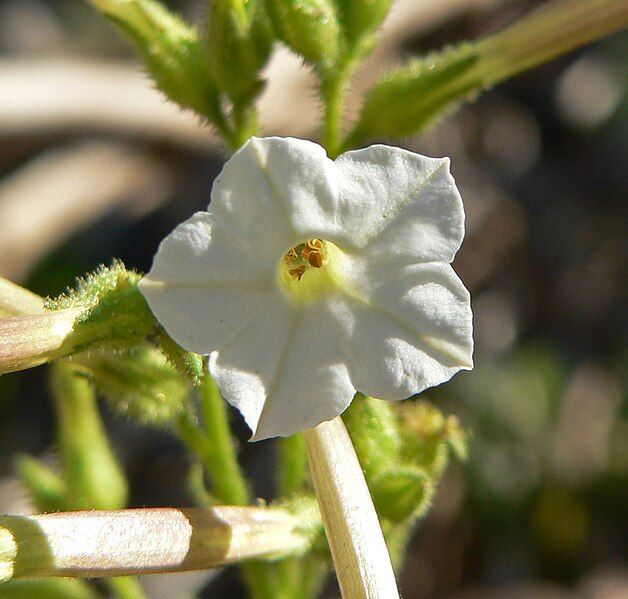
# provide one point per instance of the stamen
(315, 259)
(298, 271)
(312, 252)
(291, 256)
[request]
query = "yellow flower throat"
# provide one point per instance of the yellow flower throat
(310, 269)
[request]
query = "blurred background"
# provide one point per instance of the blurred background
(95, 164)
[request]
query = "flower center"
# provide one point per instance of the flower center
(310, 269)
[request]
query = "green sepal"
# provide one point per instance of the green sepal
(361, 17)
(399, 494)
(238, 43)
(140, 383)
(47, 588)
(411, 97)
(309, 27)
(46, 488)
(428, 437)
(112, 312)
(172, 51)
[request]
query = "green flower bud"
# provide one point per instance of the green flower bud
(238, 44)
(402, 493)
(309, 27)
(372, 425)
(172, 52)
(140, 383)
(428, 437)
(362, 17)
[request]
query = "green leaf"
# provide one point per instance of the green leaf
(309, 27)
(408, 98)
(411, 97)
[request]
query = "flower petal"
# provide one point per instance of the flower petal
(413, 332)
(200, 288)
(401, 204)
(284, 372)
(264, 189)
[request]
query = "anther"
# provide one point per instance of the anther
(291, 257)
(298, 271)
(315, 259)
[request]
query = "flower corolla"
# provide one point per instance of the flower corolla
(309, 279)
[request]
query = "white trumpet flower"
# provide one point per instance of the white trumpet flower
(310, 279)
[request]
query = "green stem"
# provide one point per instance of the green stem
(125, 587)
(91, 472)
(245, 124)
(333, 88)
(334, 84)
(292, 466)
(220, 459)
(216, 116)
(228, 482)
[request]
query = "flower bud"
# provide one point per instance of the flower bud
(238, 43)
(140, 383)
(362, 17)
(174, 56)
(309, 27)
(47, 489)
(399, 494)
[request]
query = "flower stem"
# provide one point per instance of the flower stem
(219, 456)
(88, 544)
(292, 466)
(360, 555)
(333, 88)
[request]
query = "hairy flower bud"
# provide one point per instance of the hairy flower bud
(238, 43)
(309, 27)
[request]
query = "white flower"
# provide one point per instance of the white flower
(309, 279)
